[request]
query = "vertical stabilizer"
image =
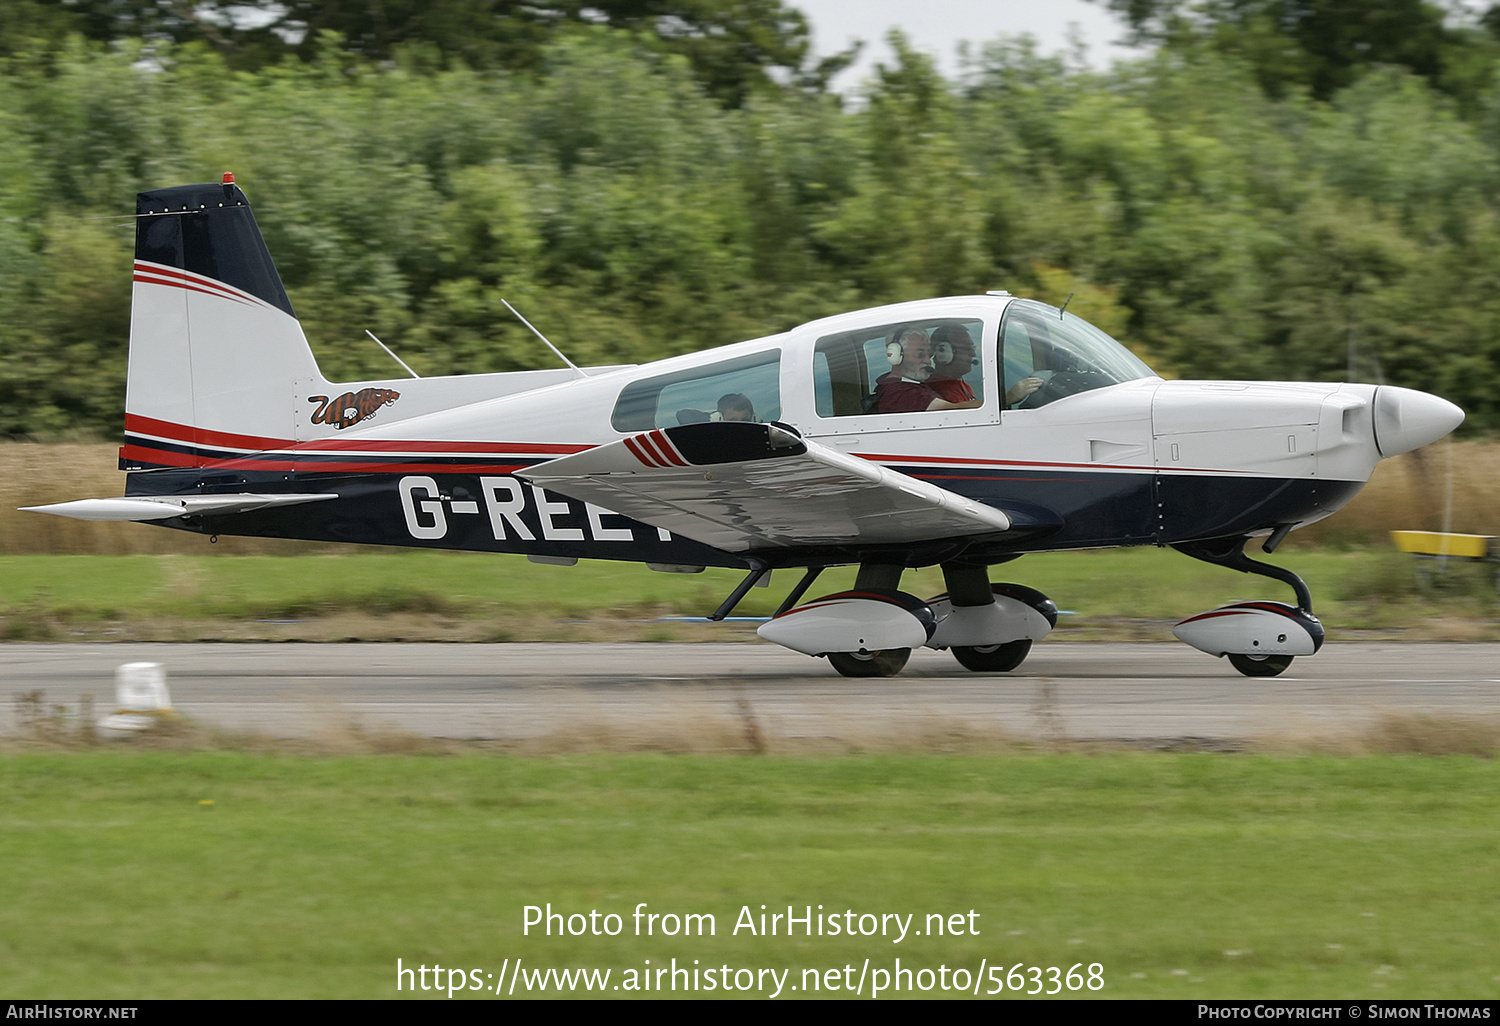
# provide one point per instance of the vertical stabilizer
(215, 350)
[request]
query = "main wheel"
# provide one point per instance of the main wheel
(993, 658)
(1260, 666)
(885, 663)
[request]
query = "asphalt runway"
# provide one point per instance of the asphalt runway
(655, 693)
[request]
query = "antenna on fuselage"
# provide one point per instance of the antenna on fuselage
(393, 355)
(539, 335)
(1065, 306)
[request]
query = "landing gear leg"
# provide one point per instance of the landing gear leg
(1229, 552)
(795, 595)
(969, 586)
(757, 571)
(878, 575)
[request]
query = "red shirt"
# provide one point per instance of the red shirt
(955, 390)
(897, 395)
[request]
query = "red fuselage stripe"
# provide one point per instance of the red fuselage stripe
(167, 457)
(182, 434)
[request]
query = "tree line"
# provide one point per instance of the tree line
(636, 199)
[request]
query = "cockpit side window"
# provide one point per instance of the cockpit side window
(1047, 354)
(748, 388)
(849, 367)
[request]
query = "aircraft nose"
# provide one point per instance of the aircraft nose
(1406, 419)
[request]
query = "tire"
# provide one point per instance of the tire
(1260, 666)
(886, 663)
(993, 658)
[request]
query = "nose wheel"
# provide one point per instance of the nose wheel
(1260, 666)
(885, 663)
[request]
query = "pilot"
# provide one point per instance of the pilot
(1021, 389)
(905, 388)
(735, 406)
(953, 356)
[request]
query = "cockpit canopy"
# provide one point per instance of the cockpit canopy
(1039, 354)
(1044, 355)
(1066, 352)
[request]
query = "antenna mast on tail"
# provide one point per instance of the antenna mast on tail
(539, 335)
(392, 353)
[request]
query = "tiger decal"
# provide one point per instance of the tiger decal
(351, 407)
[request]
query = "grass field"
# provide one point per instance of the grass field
(1129, 594)
(1181, 875)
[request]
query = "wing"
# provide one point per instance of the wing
(741, 486)
(164, 507)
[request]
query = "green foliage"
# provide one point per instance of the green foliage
(609, 191)
(736, 48)
(1323, 46)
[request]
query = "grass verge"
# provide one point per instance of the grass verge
(228, 874)
(1120, 594)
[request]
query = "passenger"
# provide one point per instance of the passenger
(735, 406)
(905, 388)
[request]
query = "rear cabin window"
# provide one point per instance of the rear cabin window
(748, 388)
(847, 366)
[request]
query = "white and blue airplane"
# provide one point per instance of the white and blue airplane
(813, 448)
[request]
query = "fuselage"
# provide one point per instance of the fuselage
(1104, 453)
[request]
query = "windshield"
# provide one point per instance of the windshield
(1047, 355)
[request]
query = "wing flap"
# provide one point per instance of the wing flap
(740, 486)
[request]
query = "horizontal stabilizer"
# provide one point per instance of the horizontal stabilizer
(743, 486)
(164, 507)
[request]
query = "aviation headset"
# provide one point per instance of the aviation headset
(942, 348)
(895, 352)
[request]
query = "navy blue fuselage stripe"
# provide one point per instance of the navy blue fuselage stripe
(1049, 511)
